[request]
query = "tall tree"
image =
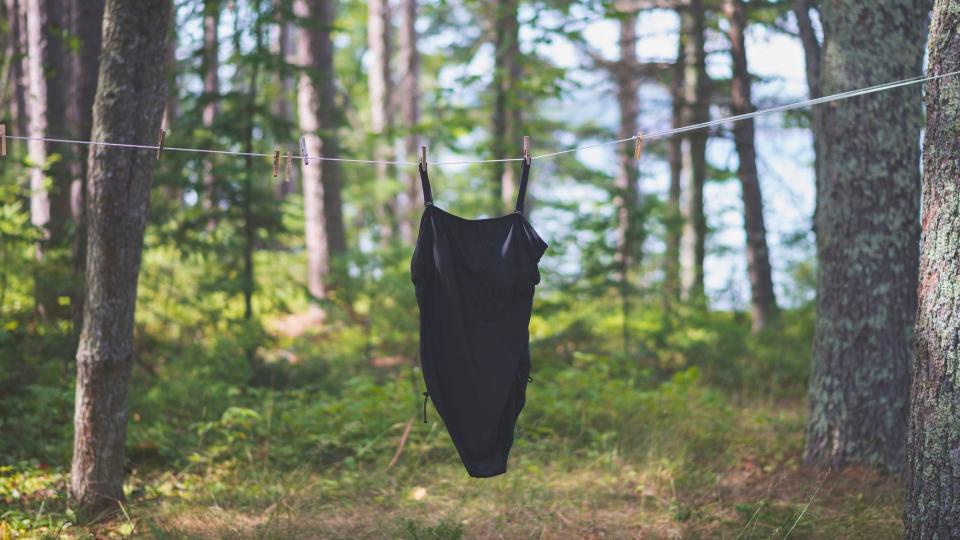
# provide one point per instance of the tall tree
(933, 482)
(46, 71)
(695, 110)
(323, 212)
(85, 20)
(284, 48)
(673, 216)
(380, 87)
(210, 71)
(763, 301)
(812, 50)
(867, 236)
(16, 46)
(627, 180)
(128, 107)
(409, 95)
(507, 116)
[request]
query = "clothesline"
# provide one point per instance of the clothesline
(645, 136)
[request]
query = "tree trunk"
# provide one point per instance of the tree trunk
(867, 236)
(627, 181)
(673, 216)
(813, 54)
(763, 301)
(249, 227)
(325, 237)
(18, 79)
(171, 111)
(129, 104)
(47, 76)
(283, 109)
(696, 110)
(410, 111)
(381, 114)
(933, 471)
(507, 117)
(209, 67)
(86, 24)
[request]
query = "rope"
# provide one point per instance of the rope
(645, 136)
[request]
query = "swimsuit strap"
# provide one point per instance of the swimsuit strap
(425, 182)
(525, 168)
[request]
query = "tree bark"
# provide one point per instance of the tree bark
(627, 180)
(325, 236)
(813, 54)
(381, 113)
(284, 49)
(128, 107)
(933, 471)
(410, 112)
(696, 110)
(47, 71)
(86, 24)
(209, 68)
(673, 218)
(507, 116)
(867, 236)
(763, 301)
(18, 79)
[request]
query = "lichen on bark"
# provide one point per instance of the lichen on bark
(867, 230)
(933, 470)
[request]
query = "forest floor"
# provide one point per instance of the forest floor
(754, 487)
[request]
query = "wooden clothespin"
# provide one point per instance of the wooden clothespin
(3, 139)
(163, 137)
(276, 163)
(638, 147)
(303, 151)
(526, 150)
(286, 170)
(423, 158)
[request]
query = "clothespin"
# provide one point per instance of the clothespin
(638, 148)
(3, 139)
(276, 163)
(423, 158)
(526, 150)
(303, 151)
(286, 170)
(163, 137)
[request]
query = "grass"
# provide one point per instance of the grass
(752, 486)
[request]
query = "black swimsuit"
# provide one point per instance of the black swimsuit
(474, 280)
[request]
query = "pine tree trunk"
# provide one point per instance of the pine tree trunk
(763, 301)
(325, 237)
(696, 110)
(673, 216)
(381, 114)
(627, 180)
(17, 74)
(933, 471)
(86, 23)
(209, 69)
(410, 111)
(129, 104)
(813, 54)
(867, 236)
(171, 111)
(284, 47)
(507, 118)
(47, 76)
